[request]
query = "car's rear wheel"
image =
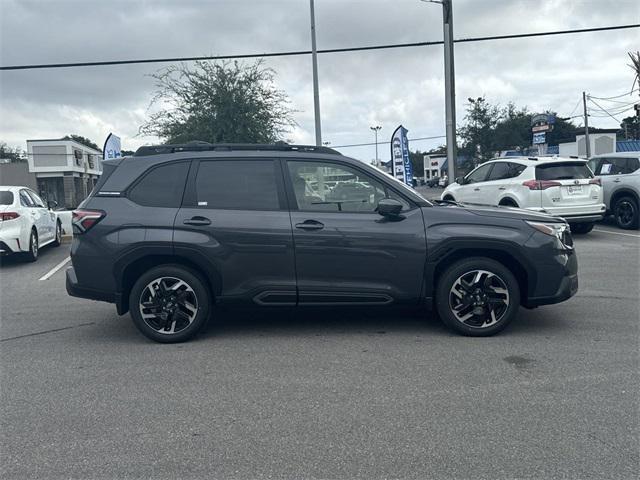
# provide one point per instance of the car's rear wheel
(169, 303)
(581, 228)
(626, 213)
(32, 254)
(477, 297)
(449, 198)
(58, 240)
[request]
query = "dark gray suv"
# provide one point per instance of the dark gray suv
(175, 230)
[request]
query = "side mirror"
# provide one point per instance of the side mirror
(460, 180)
(388, 207)
(52, 204)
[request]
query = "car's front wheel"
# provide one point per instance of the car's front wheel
(626, 213)
(477, 296)
(169, 303)
(581, 228)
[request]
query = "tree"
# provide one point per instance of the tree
(635, 65)
(225, 102)
(83, 140)
(417, 162)
(14, 155)
(477, 134)
(631, 128)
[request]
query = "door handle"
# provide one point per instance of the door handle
(310, 225)
(197, 221)
(617, 180)
(476, 189)
(502, 188)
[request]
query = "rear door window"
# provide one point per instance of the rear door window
(500, 171)
(37, 201)
(617, 166)
(162, 186)
(6, 198)
(478, 175)
(563, 171)
(237, 184)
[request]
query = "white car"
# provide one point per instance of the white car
(563, 187)
(620, 176)
(25, 223)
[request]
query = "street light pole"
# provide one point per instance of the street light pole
(314, 59)
(449, 85)
(375, 131)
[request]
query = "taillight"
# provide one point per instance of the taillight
(4, 216)
(540, 184)
(83, 220)
(595, 181)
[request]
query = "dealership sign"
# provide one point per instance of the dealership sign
(400, 162)
(539, 138)
(111, 147)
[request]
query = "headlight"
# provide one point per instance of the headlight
(559, 230)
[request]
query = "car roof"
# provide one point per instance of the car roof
(537, 160)
(618, 154)
(11, 188)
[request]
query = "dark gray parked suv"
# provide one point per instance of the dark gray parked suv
(175, 230)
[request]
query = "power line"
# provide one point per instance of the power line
(615, 96)
(308, 52)
(600, 108)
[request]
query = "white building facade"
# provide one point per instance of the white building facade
(66, 171)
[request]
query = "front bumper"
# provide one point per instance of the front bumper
(556, 282)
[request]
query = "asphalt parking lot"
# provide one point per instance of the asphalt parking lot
(330, 394)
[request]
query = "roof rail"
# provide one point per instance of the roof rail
(199, 146)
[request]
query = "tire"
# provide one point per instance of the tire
(497, 291)
(58, 240)
(185, 312)
(32, 254)
(449, 197)
(509, 203)
(581, 228)
(626, 213)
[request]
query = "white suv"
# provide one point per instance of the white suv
(564, 187)
(25, 223)
(620, 177)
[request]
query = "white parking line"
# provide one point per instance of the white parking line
(616, 233)
(50, 273)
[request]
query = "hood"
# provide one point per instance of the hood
(510, 212)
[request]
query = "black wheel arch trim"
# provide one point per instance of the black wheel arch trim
(489, 248)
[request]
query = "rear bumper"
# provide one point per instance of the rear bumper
(577, 214)
(76, 290)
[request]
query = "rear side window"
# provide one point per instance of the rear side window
(107, 170)
(162, 186)
(237, 184)
(563, 171)
(6, 198)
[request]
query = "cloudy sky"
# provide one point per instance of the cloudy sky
(357, 90)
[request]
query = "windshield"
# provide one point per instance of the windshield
(563, 171)
(6, 198)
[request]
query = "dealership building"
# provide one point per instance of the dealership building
(65, 171)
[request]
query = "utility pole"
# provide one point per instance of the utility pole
(449, 85)
(375, 131)
(316, 94)
(586, 125)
